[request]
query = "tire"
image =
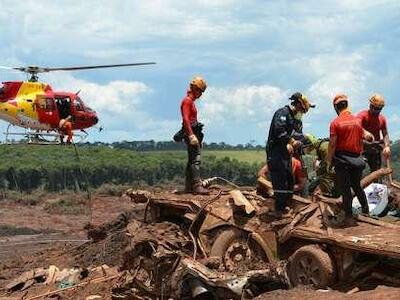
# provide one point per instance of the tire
(231, 241)
(310, 265)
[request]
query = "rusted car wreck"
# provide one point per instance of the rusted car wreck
(229, 244)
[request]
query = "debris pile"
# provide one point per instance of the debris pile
(227, 245)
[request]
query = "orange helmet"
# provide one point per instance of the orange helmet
(377, 100)
(339, 98)
(199, 82)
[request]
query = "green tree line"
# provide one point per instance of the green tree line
(56, 168)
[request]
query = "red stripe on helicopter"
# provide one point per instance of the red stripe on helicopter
(9, 90)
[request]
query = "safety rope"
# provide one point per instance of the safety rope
(83, 175)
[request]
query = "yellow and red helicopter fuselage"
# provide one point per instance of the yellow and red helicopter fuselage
(34, 105)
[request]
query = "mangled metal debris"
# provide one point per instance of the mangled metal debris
(230, 244)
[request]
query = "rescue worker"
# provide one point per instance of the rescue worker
(344, 151)
(374, 122)
(326, 177)
(193, 136)
(280, 147)
(299, 177)
(65, 128)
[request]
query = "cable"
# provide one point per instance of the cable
(207, 182)
(83, 175)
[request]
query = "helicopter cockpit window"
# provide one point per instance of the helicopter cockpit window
(78, 104)
(50, 104)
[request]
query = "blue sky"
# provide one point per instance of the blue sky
(253, 54)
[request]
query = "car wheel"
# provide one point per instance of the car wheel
(310, 265)
(237, 251)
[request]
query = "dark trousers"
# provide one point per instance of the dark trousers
(349, 178)
(192, 173)
(280, 171)
(374, 159)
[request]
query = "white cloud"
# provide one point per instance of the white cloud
(113, 97)
(337, 73)
(120, 106)
(253, 53)
(243, 104)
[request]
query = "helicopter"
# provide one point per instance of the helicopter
(37, 108)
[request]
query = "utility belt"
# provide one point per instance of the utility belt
(346, 160)
(373, 147)
(197, 129)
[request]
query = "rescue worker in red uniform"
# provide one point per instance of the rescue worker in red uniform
(374, 122)
(344, 151)
(65, 128)
(193, 136)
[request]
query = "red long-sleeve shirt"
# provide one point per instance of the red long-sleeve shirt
(189, 112)
(373, 124)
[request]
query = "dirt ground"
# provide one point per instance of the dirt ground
(380, 293)
(30, 237)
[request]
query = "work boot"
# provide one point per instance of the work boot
(188, 187)
(365, 210)
(349, 222)
(198, 189)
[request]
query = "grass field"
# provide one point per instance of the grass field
(250, 156)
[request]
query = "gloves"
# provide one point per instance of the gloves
(193, 140)
(290, 149)
(369, 136)
(386, 152)
(297, 144)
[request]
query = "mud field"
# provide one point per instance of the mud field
(110, 258)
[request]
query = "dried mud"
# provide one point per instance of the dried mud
(18, 255)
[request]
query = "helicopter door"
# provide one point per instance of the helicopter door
(63, 106)
(47, 110)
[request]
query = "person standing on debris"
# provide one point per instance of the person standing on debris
(345, 148)
(374, 122)
(193, 136)
(65, 128)
(280, 147)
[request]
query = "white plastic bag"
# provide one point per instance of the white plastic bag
(377, 196)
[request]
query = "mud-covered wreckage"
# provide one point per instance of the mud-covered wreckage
(229, 244)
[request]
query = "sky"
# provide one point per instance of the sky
(253, 54)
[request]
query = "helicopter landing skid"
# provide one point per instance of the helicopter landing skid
(40, 138)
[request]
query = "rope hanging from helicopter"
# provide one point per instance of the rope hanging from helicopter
(86, 182)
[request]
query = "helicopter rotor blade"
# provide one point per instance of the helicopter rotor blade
(36, 69)
(96, 67)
